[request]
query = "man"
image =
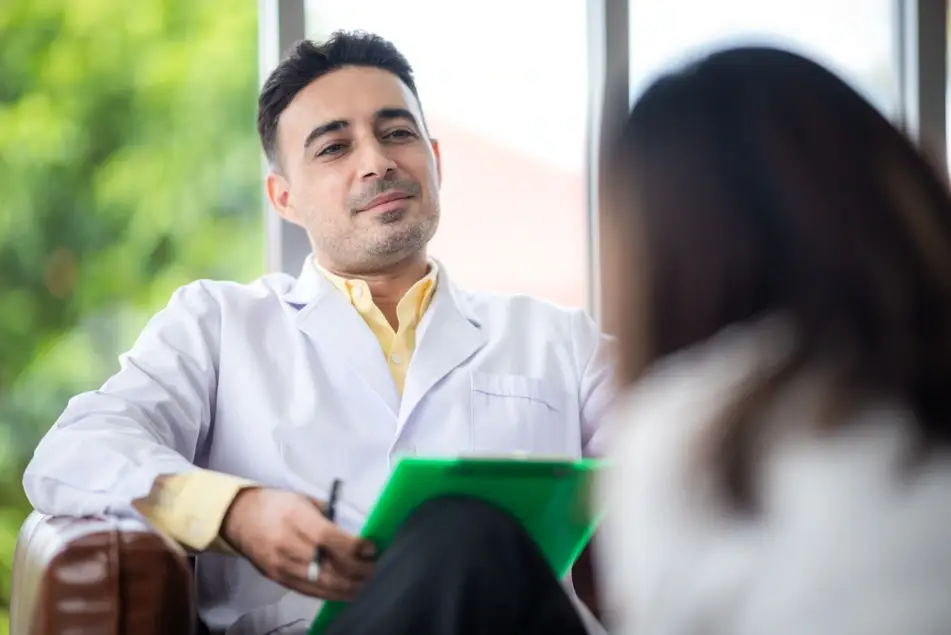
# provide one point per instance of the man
(240, 404)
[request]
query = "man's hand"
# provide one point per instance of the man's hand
(279, 533)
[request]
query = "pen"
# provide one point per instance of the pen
(314, 569)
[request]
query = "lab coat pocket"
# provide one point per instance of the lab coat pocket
(515, 413)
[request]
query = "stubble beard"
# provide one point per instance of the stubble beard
(402, 240)
(392, 238)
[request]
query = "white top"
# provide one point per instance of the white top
(843, 547)
(282, 382)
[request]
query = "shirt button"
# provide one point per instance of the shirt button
(396, 359)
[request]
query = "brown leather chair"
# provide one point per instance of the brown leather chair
(585, 582)
(99, 576)
(92, 576)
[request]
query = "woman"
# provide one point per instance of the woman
(781, 263)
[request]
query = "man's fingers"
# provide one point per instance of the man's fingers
(343, 555)
(314, 526)
(351, 567)
(319, 531)
(282, 532)
(310, 529)
(308, 519)
(333, 581)
(297, 556)
(330, 584)
(298, 549)
(317, 591)
(346, 552)
(334, 539)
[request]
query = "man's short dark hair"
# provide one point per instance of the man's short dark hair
(309, 60)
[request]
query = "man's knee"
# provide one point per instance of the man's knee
(464, 509)
(468, 520)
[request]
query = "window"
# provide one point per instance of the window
(507, 101)
(130, 167)
(855, 39)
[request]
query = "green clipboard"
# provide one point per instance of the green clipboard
(551, 497)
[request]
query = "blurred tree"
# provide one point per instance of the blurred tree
(128, 166)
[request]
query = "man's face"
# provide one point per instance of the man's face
(357, 170)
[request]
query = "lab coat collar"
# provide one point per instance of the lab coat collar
(448, 334)
(310, 285)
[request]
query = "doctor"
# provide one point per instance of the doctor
(239, 404)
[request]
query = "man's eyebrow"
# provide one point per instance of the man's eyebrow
(386, 114)
(324, 128)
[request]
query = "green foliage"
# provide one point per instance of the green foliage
(128, 166)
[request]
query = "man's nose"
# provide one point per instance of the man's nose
(374, 161)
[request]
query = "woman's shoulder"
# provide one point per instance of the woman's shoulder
(679, 394)
(843, 514)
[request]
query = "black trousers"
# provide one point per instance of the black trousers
(459, 566)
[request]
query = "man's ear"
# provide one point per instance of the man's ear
(279, 193)
(435, 144)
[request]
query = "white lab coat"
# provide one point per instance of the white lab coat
(282, 382)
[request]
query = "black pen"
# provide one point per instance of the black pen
(330, 513)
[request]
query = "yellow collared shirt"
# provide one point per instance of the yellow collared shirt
(190, 507)
(398, 345)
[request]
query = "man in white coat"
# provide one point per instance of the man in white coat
(240, 404)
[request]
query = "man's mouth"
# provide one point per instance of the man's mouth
(385, 200)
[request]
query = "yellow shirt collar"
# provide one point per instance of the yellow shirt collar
(411, 306)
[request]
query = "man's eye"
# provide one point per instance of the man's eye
(333, 148)
(401, 133)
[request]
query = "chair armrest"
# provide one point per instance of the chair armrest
(585, 582)
(98, 575)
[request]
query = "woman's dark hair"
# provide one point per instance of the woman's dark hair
(759, 183)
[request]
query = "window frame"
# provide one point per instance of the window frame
(920, 59)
